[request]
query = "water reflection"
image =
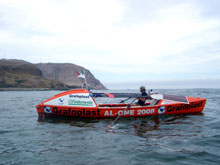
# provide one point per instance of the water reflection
(78, 122)
(156, 126)
(161, 134)
(164, 126)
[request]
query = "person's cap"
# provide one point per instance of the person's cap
(142, 88)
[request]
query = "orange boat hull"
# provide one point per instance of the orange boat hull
(92, 110)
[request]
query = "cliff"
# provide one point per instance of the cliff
(67, 74)
(22, 74)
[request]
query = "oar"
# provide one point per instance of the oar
(125, 100)
(128, 106)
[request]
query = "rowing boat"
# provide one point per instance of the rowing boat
(80, 103)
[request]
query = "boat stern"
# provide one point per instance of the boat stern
(196, 104)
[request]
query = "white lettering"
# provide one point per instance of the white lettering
(106, 113)
(126, 112)
(145, 111)
(120, 113)
(140, 112)
(152, 110)
(111, 113)
(148, 111)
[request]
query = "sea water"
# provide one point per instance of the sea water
(175, 139)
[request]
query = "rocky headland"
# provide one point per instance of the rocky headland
(19, 74)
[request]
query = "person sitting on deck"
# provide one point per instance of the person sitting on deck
(144, 96)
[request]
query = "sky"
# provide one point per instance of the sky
(124, 43)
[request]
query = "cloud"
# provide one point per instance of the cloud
(114, 37)
(166, 84)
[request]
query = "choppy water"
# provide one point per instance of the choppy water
(185, 139)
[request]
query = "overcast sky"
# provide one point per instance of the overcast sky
(117, 40)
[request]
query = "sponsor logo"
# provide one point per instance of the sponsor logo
(161, 110)
(73, 112)
(47, 109)
(83, 100)
(80, 103)
(79, 96)
(61, 101)
(184, 107)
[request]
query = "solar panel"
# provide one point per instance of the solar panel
(176, 98)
